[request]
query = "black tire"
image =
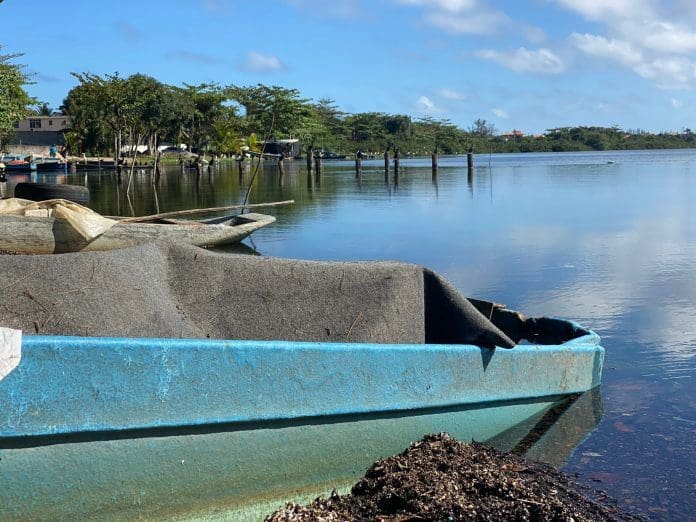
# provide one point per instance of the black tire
(44, 191)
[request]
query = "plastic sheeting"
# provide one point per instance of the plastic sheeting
(85, 221)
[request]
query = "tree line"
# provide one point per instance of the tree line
(110, 112)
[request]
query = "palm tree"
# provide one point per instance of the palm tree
(42, 109)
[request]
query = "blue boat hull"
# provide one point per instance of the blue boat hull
(156, 428)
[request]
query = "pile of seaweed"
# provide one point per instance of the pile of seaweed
(440, 478)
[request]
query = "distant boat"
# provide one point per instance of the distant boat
(48, 235)
(48, 164)
(40, 164)
(328, 155)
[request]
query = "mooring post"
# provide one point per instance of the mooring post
(317, 166)
(386, 164)
(310, 152)
(358, 164)
(470, 161)
(397, 161)
(281, 167)
(434, 162)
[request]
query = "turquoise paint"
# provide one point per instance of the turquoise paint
(109, 429)
(229, 471)
(67, 385)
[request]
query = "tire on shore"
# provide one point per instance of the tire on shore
(44, 191)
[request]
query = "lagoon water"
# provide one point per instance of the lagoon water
(607, 239)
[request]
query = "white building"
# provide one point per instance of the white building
(41, 130)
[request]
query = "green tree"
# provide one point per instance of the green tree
(272, 111)
(14, 100)
(42, 109)
(205, 108)
(483, 128)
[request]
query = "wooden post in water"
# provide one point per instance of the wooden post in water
(310, 152)
(281, 167)
(397, 162)
(358, 164)
(386, 165)
(317, 166)
(434, 163)
(470, 161)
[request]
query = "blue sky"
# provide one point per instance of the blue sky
(520, 64)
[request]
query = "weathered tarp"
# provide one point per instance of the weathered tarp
(183, 291)
(85, 221)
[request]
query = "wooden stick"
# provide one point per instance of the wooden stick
(140, 219)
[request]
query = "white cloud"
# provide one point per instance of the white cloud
(473, 23)
(533, 34)
(471, 17)
(452, 6)
(257, 62)
(601, 10)
(663, 36)
(500, 113)
(425, 104)
(669, 73)
(651, 38)
(523, 60)
(677, 104)
(617, 50)
(449, 94)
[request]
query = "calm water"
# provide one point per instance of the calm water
(608, 239)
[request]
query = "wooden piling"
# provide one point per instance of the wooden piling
(470, 161)
(281, 167)
(358, 165)
(434, 163)
(397, 161)
(310, 152)
(317, 167)
(386, 164)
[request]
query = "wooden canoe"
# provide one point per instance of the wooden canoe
(47, 235)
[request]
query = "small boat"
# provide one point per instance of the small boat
(48, 235)
(49, 164)
(329, 155)
(312, 371)
(19, 165)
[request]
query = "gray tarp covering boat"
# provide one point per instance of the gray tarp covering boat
(182, 291)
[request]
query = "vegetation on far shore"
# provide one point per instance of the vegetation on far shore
(111, 112)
